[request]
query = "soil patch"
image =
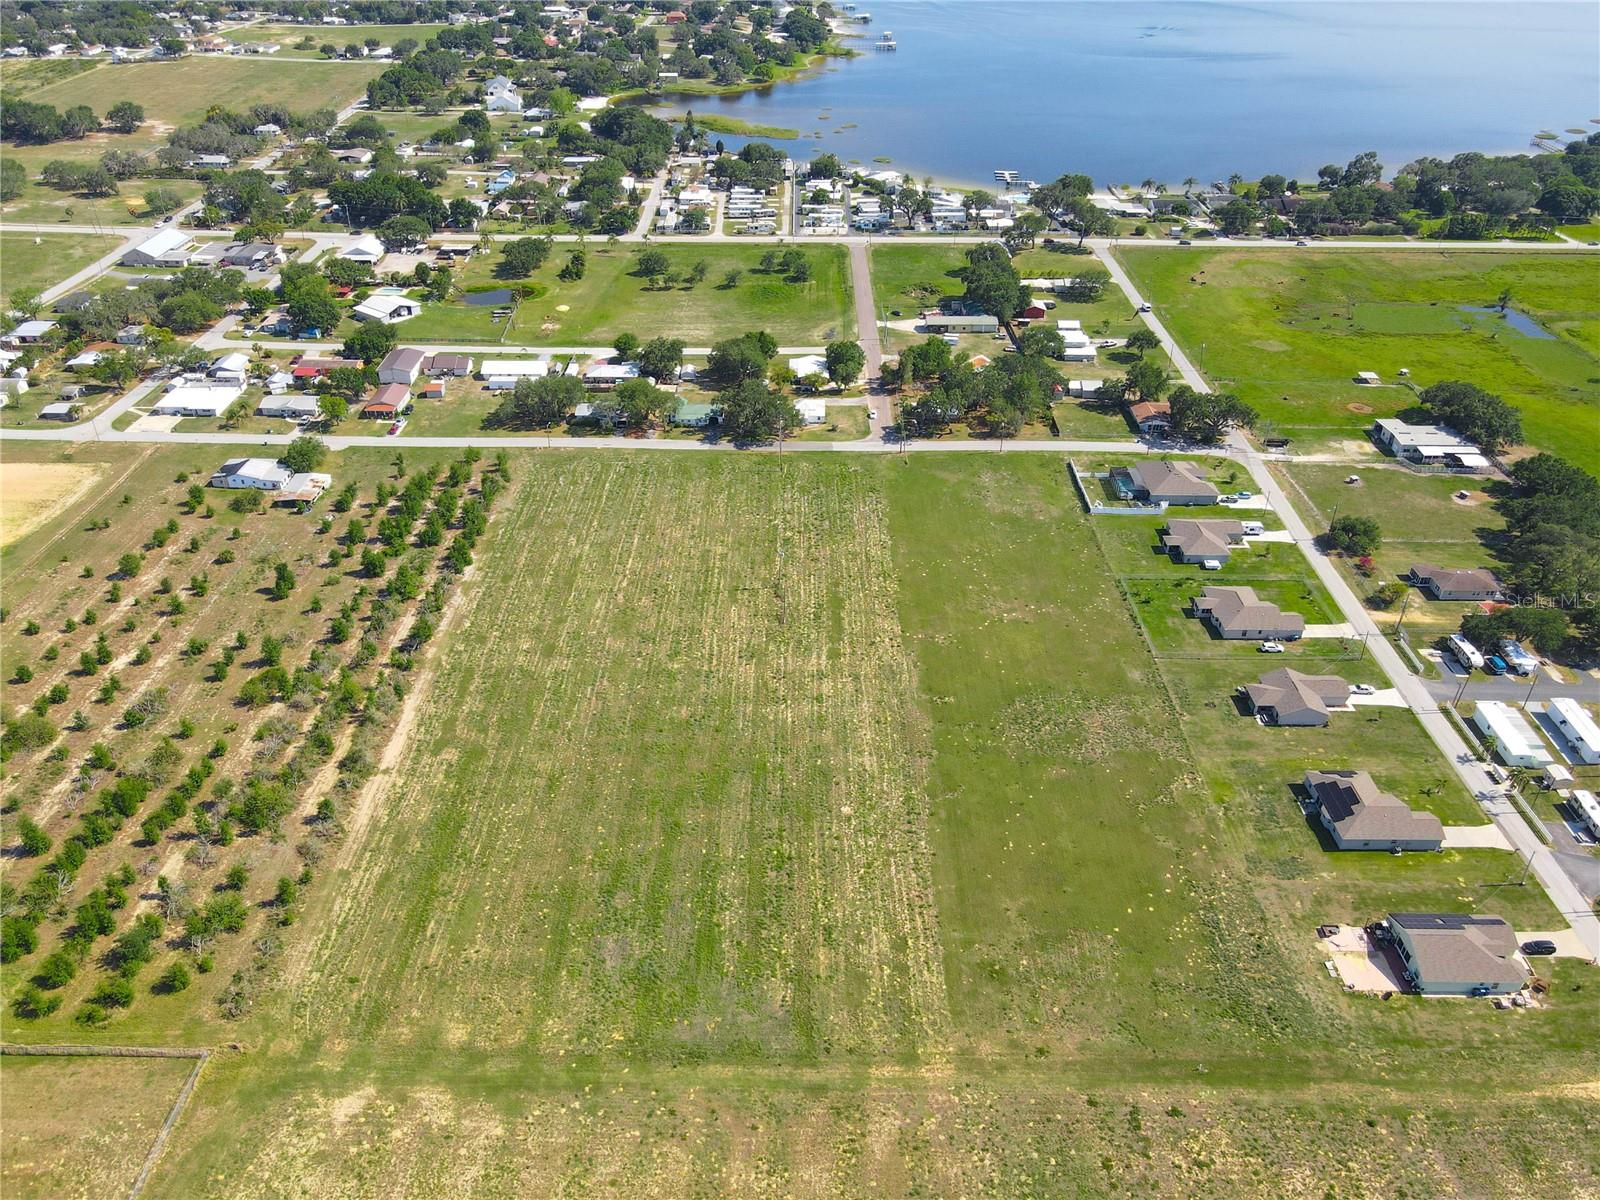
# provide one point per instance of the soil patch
(31, 493)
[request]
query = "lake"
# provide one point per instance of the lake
(1128, 90)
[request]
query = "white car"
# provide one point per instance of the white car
(872, 414)
(1363, 689)
(1270, 647)
(1211, 564)
(1144, 308)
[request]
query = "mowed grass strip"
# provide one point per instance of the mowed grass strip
(37, 260)
(1287, 331)
(665, 797)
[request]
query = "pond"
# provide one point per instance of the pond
(1521, 322)
(496, 298)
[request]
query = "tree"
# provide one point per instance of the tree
(13, 178)
(125, 116)
(304, 454)
(403, 233)
(334, 408)
(371, 341)
(1236, 217)
(1480, 416)
(652, 265)
(1042, 342)
(1146, 379)
(660, 358)
(846, 361)
(32, 837)
(537, 403)
(78, 121)
(626, 346)
(1205, 416)
(735, 360)
(753, 413)
(283, 581)
(523, 257)
(993, 285)
(1355, 536)
(640, 403)
(1143, 341)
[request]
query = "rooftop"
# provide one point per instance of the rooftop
(1356, 807)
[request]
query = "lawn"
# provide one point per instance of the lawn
(39, 205)
(845, 423)
(610, 299)
(341, 36)
(82, 1126)
(1288, 332)
(178, 92)
(37, 260)
(816, 825)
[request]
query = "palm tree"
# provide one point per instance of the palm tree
(1149, 185)
(1188, 184)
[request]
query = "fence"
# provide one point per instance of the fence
(1101, 509)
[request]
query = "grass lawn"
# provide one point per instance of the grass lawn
(1288, 332)
(38, 205)
(610, 300)
(845, 423)
(341, 36)
(37, 260)
(762, 823)
(178, 92)
(82, 1126)
(1583, 233)
(1162, 604)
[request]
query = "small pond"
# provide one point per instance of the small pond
(497, 298)
(1520, 321)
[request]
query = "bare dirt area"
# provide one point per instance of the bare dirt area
(31, 493)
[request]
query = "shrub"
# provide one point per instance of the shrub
(173, 980)
(35, 841)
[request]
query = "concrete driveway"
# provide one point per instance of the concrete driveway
(1475, 837)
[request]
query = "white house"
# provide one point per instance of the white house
(501, 374)
(808, 364)
(388, 308)
(267, 129)
(292, 408)
(401, 365)
(168, 248)
(813, 410)
(607, 375)
(1514, 739)
(501, 95)
(85, 360)
(230, 368)
(189, 400)
(264, 474)
(1578, 727)
(29, 333)
(366, 249)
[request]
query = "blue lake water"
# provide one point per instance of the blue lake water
(1128, 90)
(1520, 321)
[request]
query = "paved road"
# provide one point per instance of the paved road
(882, 426)
(1447, 691)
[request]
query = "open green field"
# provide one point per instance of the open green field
(30, 74)
(610, 300)
(39, 205)
(339, 35)
(82, 1126)
(37, 260)
(1288, 332)
(820, 825)
(179, 91)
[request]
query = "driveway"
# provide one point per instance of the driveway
(1475, 837)
(1339, 629)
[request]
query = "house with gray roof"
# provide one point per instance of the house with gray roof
(1236, 613)
(1171, 482)
(1287, 697)
(1458, 954)
(1449, 583)
(1192, 541)
(1359, 816)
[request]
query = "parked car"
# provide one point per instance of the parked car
(1270, 648)
(1244, 495)
(1302, 242)
(1144, 307)
(1363, 689)
(872, 414)
(397, 427)
(1539, 948)
(1185, 242)
(1495, 665)
(1211, 564)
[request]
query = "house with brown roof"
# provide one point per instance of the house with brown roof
(1191, 541)
(1236, 613)
(1358, 816)
(1287, 697)
(401, 365)
(1151, 417)
(1458, 954)
(1173, 482)
(388, 402)
(1449, 583)
(437, 365)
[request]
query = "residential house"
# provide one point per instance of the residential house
(1578, 727)
(605, 376)
(289, 408)
(401, 365)
(196, 400)
(809, 364)
(29, 333)
(1237, 613)
(309, 367)
(1286, 697)
(263, 474)
(387, 307)
(501, 95)
(233, 368)
(440, 365)
(61, 410)
(695, 416)
(1358, 816)
(501, 374)
(84, 360)
(388, 402)
(210, 162)
(267, 129)
(960, 323)
(1449, 583)
(1458, 954)
(253, 256)
(813, 410)
(1169, 482)
(1512, 738)
(1153, 418)
(1190, 541)
(130, 335)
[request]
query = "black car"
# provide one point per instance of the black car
(1538, 948)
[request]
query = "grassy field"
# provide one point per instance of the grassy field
(82, 1126)
(821, 826)
(291, 35)
(1288, 332)
(37, 260)
(38, 205)
(179, 92)
(610, 300)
